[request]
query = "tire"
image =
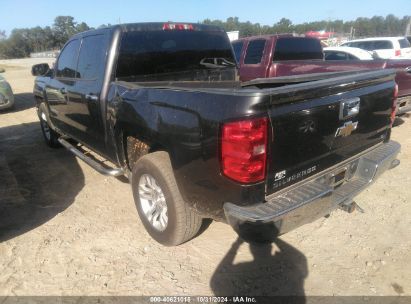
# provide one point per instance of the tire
(182, 223)
(50, 136)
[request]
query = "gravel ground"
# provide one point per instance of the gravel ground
(66, 230)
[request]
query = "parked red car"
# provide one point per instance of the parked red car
(286, 55)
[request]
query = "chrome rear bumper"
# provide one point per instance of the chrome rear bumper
(318, 197)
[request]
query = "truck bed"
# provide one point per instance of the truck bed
(199, 108)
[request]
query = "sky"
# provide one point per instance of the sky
(26, 13)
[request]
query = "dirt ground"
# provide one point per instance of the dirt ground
(66, 230)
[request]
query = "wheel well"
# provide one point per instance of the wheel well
(136, 148)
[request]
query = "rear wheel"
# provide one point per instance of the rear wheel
(164, 213)
(50, 136)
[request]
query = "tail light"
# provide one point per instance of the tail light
(394, 104)
(177, 27)
(397, 52)
(244, 150)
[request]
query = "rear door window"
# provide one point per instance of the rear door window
(404, 43)
(238, 47)
(255, 51)
(297, 48)
(365, 45)
(92, 56)
(383, 45)
(67, 62)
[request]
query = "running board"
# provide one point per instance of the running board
(95, 164)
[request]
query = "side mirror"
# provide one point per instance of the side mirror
(40, 69)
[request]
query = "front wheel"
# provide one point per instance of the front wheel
(50, 136)
(164, 213)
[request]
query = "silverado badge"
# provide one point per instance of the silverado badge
(346, 129)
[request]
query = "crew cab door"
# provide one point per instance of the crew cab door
(85, 107)
(62, 81)
(255, 61)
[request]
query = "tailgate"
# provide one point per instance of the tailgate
(319, 124)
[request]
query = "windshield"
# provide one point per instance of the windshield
(170, 55)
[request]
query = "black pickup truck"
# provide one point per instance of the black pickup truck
(161, 104)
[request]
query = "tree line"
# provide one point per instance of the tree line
(361, 27)
(22, 42)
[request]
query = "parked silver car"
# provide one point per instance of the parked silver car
(6, 94)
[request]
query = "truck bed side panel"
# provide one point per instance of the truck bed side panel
(286, 68)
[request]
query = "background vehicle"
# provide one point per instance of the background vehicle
(152, 102)
(346, 53)
(286, 55)
(6, 94)
(384, 47)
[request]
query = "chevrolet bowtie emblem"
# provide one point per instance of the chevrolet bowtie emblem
(346, 129)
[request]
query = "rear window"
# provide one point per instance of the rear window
(145, 54)
(404, 43)
(297, 48)
(255, 51)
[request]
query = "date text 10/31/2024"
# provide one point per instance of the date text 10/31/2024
(205, 299)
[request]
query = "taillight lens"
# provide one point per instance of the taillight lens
(397, 52)
(244, 150)
(394, 104)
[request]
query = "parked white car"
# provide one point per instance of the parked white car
(346, 53)
(384, 47)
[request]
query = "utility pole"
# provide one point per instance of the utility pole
(408, 28)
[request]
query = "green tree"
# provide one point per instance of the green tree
(283, 26)
(64, 27)
(104, 25)
(82, 27)
(22, 42)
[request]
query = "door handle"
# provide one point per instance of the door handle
(349, 107)
(91, 97)
(408, 70)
